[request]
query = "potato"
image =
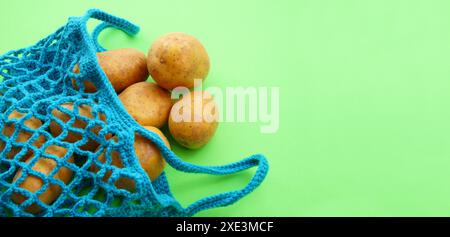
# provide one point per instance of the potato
(123, 67)
(85, 111)
(150, 158)
(34, 183)
(193, 120)
(149, 155)
(147, 103)
(24, 136)
(177, 59)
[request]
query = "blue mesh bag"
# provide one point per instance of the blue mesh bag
(38, 80)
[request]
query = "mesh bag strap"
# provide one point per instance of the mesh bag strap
(108, 21)
(219, 200)
(228, 198)
(96, 34)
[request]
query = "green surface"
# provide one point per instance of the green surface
(365, 97)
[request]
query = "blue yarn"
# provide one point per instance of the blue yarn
(36, 81)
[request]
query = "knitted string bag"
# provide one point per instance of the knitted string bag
(37, 81)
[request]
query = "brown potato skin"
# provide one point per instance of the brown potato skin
(192, 134)
(147, 103)
(150, 159)
(149, 155)
(23, 136)
(85, 111)
(123, 67)
(177, 59)
(33, 183)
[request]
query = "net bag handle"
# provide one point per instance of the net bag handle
(219, 200)
(108, 21)
(96, 34)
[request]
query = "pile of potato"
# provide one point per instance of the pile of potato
(174, 60)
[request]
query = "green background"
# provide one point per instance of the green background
(364, 86)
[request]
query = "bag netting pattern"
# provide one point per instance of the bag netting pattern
(36, 83)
